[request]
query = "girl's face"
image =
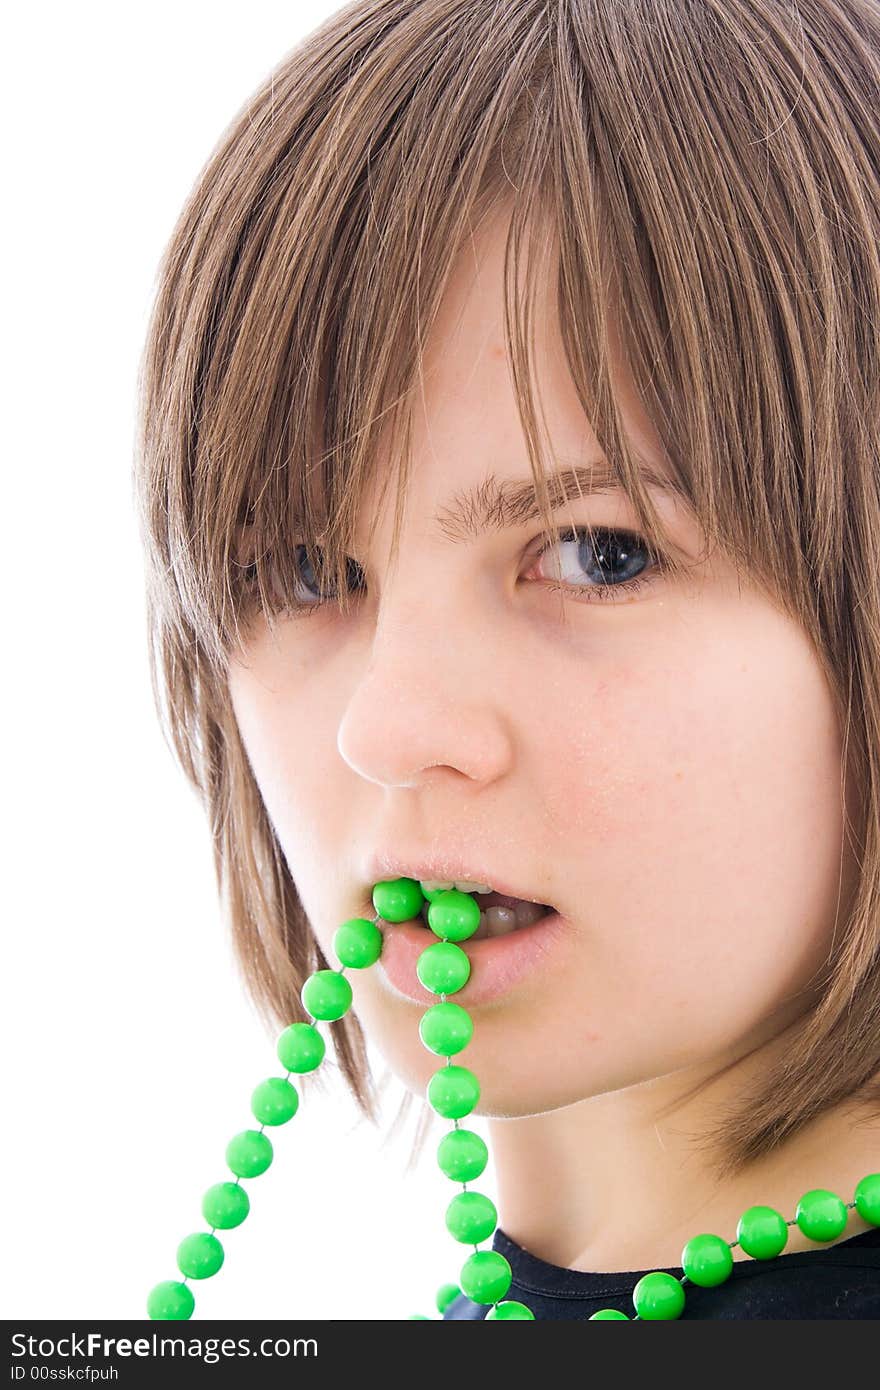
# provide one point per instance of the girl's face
(662, 764)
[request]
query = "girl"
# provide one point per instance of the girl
(509, 484)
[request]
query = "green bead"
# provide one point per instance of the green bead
(326, 995)
(445, 1295)
(821, 1214)
(867, 1198)
(762, 1232)
(658, 1297)
(431, 893)
(225, 1205)
(274, 1101)
(199, 1256)
(399, 900)
(510, 1309)
(453, 1091)
(454, 915)
(471, 1217)
(358, 943)
(443, 968)
(418, 1317)
(485, 1276)
(446, 1028)
(301, 1047)
(608, 1313)
(707, 1260)
(462, 1155)
(170, 1299)
(249, 1153)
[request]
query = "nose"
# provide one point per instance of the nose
(427, 699)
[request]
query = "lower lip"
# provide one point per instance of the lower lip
(497, 962)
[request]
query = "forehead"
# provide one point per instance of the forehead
(469, 467)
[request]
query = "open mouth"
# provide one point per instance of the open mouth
(500, 915)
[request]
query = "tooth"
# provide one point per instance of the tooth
(464, 886)
(499, 920)
(527, 913)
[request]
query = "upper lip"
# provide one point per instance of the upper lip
(449, 869)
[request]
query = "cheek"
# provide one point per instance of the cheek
(285, 741)
(627, 750)
(694, 793)
(729, 729)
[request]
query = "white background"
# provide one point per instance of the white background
(129, 1048)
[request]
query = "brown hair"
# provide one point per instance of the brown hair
(708, 175)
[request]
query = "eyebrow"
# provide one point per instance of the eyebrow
(497, 504)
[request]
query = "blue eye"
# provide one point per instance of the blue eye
(616, 560)
(314, 588)
(311, 590)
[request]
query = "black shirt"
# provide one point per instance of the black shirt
(835, 1281)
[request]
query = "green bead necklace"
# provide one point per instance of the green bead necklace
(453, 1091)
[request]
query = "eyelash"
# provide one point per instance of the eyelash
(597, 592)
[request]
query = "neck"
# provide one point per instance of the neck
(621, 1181)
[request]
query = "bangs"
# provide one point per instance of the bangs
(304, 274)
(310, 516)
(285, 351)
